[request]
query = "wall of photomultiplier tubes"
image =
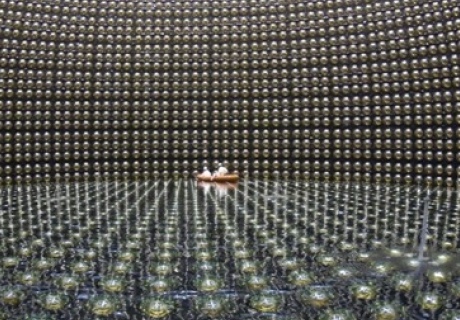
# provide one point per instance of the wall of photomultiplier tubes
(328, 89)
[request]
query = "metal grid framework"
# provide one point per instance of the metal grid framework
(333, 90)
(175, 249)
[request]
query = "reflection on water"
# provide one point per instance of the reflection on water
(256, 250)
(221, 189)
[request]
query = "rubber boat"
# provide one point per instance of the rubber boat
(228, 178)
(226, 186)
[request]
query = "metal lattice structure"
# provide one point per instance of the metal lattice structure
(330, 89)
(174, 249)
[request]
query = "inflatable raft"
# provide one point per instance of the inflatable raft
(230, 178)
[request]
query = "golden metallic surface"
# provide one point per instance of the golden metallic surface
(122, 267)
(11, 296)
(327, 260)
(213, 306)
(162, 269)
(103, 306)
(385, 311)
(28, 278)
(207, 266)
(300, 278)
(344, 273)
(256, 282)
(266, 303)
(10, 262)
(159, 284)
(430, 301)
(68, 282)
(289, 264)
(337, 315)
(383, 268)
(204, 255)
(80, 267)
(113, 284)
(242, 253)
(316, 297)
(403, 283)
(208, 284)
(25, 252)
(156, 308)
(56, 252)
(249, 267)
(165, 255)
(364, 291)
(126, 256)
(54, 302)
(43, 264)
(439, 276)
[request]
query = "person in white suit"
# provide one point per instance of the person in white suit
(206, 172)
(221, 171)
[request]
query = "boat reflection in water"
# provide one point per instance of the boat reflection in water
(221, 189)
(254, 250)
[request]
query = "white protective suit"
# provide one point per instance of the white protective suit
(206, 172)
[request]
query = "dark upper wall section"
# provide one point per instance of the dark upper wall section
(336, 89)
